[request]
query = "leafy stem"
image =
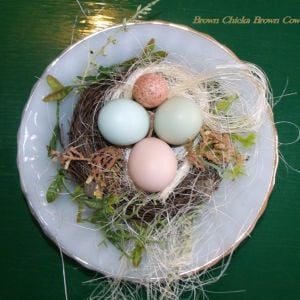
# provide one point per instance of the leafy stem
(246, 141)
(224, 104)
(139, 14)
(55, 187)
(142, 11)
(104, 73)
(57, 88)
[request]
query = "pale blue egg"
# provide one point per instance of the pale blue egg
(178, 120)
(123, 122)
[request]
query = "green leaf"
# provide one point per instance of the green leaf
(139, 7)
(56, 134)
(87, 78)
(54, 83)
(149, 48)
(78, 193)
(113, 199)
(79, 213)
(93, 203)
(246, 141)
(224, 104)
(128, 63)
(137, 254)
(80, 196)
(104, 204)
(234, 172)
(55, 187)
(58, 95)
(54, 139)
(157, 55)
(106, 72)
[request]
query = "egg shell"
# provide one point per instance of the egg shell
(152, 165)
(150, 90)
(123, 122)
(178, 120)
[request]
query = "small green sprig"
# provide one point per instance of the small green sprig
(54, 139)
(115, 224)
(141, 12)
(56, 95)
(149, 48)
(246, 141)
(223, 105)
(55, 187)
(123, 230)
(80, 196)
(112, 224)
(105, 73)
(54, 83)
(59, 91)
(235, 171)
(136, 254)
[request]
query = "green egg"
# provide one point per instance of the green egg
(178, 120)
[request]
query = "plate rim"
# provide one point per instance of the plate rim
(193, 271)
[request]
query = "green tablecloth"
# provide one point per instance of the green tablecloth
(33, 33)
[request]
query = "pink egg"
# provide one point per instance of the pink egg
(150, 90)
(152, 165)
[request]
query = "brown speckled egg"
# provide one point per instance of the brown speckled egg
(150, 90)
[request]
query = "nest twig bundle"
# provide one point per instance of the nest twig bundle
(84, 134)
(85, 137)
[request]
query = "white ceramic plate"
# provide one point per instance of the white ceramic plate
(231, 217)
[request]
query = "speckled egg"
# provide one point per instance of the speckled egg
(152, 165)
(150, 90)
(123, 122)
(178, 120)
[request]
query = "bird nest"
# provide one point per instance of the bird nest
(101, 168)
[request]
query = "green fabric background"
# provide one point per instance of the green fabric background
(34, 32)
